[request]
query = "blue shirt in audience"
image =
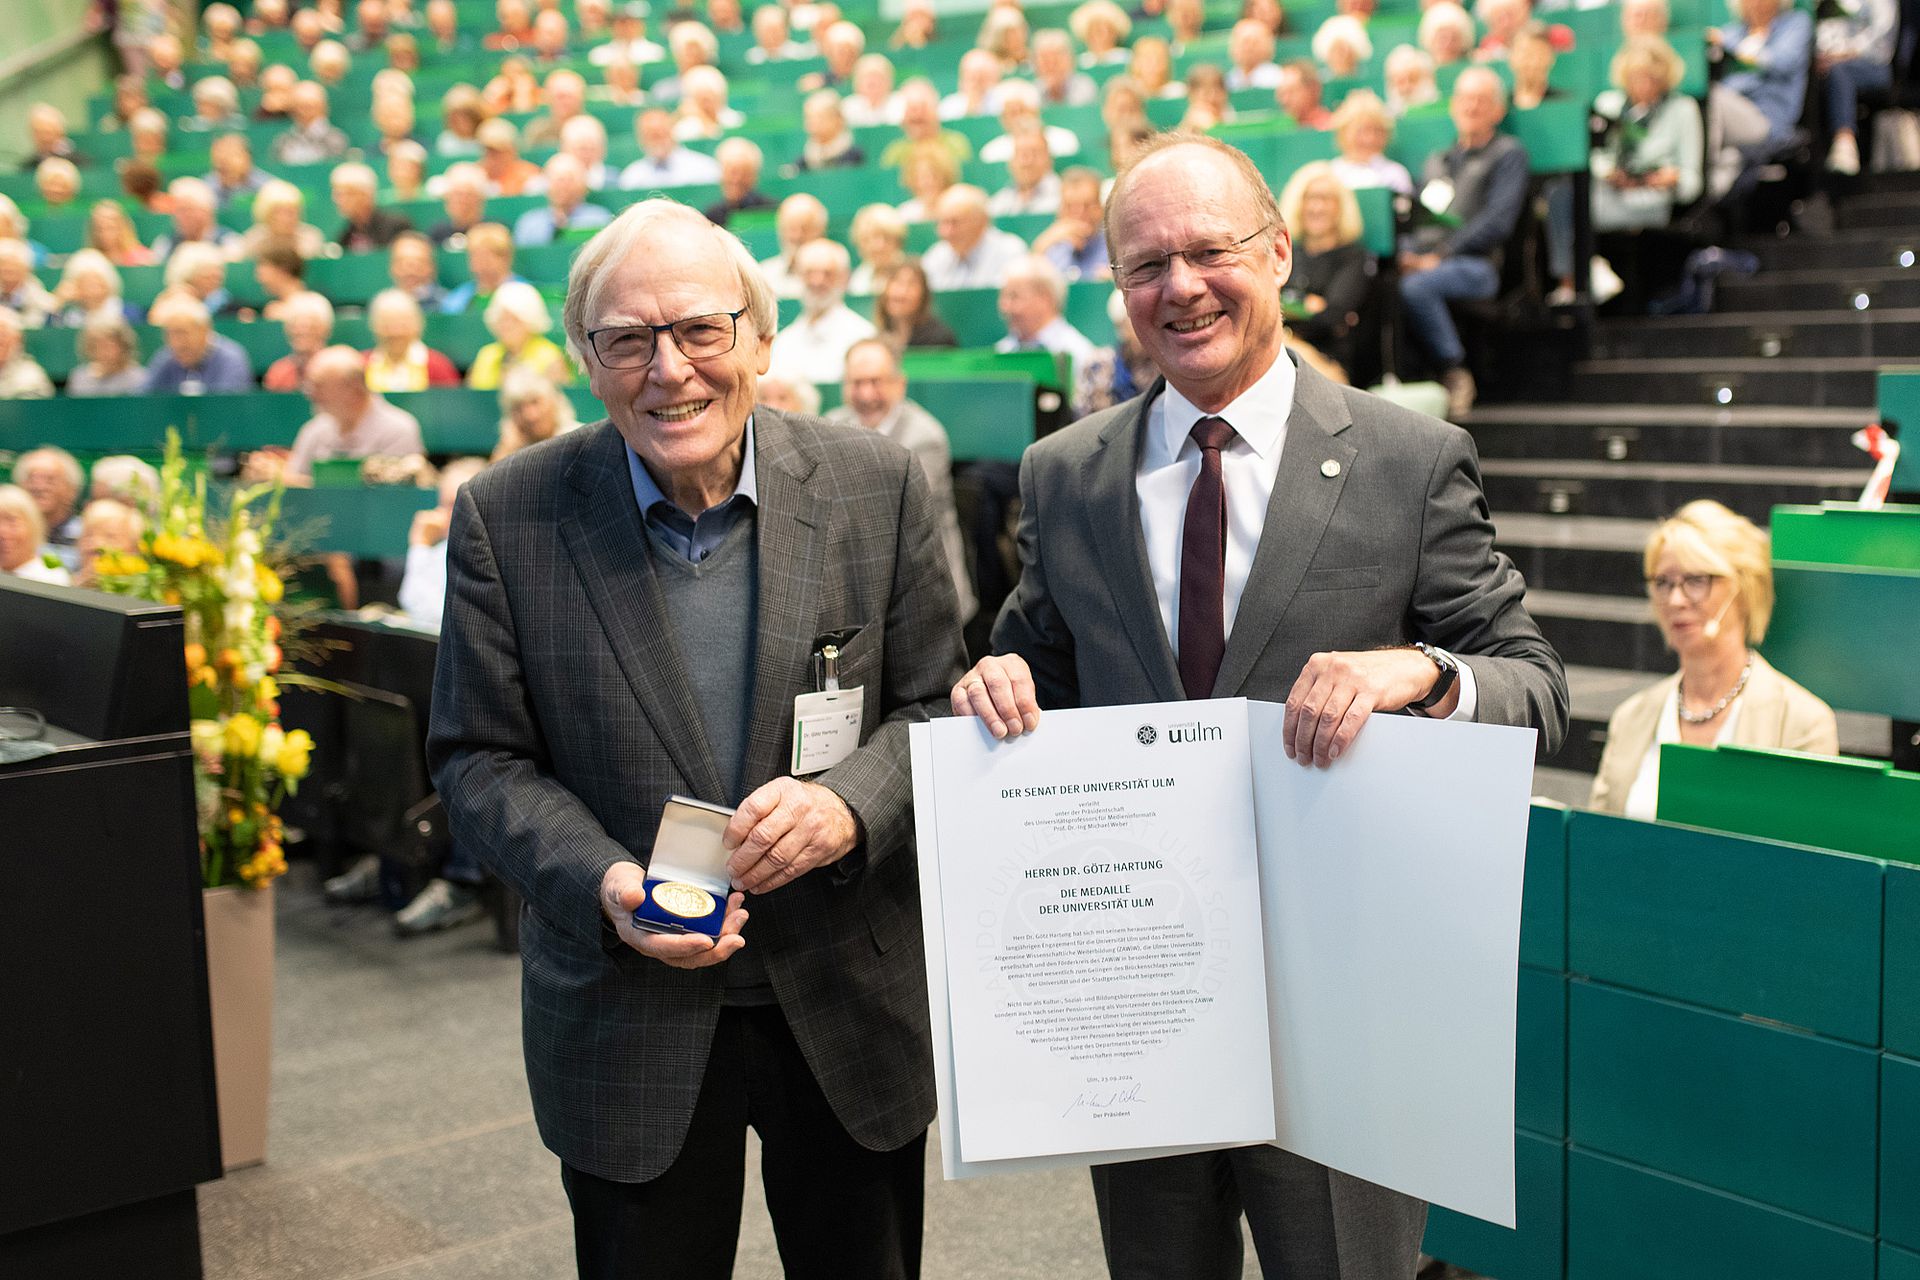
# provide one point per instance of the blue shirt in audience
(224, 368)
(1089, 262)
(539, 226)
(461, 297)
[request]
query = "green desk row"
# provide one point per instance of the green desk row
(1838, 802)
(1847, 634)
(1844, 535)
(1899, 398)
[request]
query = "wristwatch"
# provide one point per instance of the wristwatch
(1449, 672)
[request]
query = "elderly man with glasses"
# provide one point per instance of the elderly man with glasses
(1249, 529)
(632, 611)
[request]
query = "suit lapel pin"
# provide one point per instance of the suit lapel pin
(1330, 468)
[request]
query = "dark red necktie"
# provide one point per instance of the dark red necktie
(1203, 565)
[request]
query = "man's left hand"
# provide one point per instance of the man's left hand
(786, 829)
(1336, 692)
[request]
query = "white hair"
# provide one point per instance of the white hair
(355, 175)
(307, 303)
(523, 302)
(392, 301)
(1036, 270)
(1342, 28)
(218, 90)
(189, 260)
(91, 262)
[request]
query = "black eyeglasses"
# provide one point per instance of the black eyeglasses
(1144, 273)
(1694, 586)
(632, 346)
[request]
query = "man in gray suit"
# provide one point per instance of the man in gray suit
(632, 610)
(1248, 528)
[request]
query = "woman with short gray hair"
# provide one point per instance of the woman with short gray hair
(110, 360)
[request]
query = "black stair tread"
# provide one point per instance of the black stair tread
(1579, 604)
(1889, 274)
(1688, 415)
(1589, 533)
(1850, 316)
(1698, 472)
(1708, 367)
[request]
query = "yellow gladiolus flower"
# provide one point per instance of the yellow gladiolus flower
(266, 691)
(270, 586)
(243, 736)
(295, 754)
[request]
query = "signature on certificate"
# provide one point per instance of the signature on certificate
(1104, 1100)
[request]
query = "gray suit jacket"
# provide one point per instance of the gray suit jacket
(563, 717)
(1396, 547)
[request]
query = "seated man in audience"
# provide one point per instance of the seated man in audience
(52, 477)
(629, 43)
(311, 138)
(740, 164)
(815, 344)
(47, 130)
(508, 174)
(1299, 95)
(802, 220)
(874, 395)
(978, 92)
(58, 182)
(1476, 190)
(971, 253)
(365, 227)
(1031, 301)
(585, 139)
(234, 175)
(349, 421)
(105, 525)
(21, 292)
(841, 44)
(463, 195)
(920, 123)
(489, 265)
(773, 38)
(1061, 82)
(195, 360)
(400, 360)
(1032, 186)
(566, 208)
(829, 142)
(22, 551)
(1019, 108)
(195, 211)
(1076, 243)
(1250, 51)
(566, 100)
(414, 269)
(664, 160)
(307, 320)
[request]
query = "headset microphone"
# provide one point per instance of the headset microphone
(1712, 630)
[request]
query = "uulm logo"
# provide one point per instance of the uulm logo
(1146, 735)
(1194, 732)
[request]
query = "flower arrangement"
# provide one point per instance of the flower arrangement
(216, 568)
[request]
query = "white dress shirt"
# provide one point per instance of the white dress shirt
(814, 349)
(984, 267)
(1249, 469)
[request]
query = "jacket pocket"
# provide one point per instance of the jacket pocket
(1359, 577)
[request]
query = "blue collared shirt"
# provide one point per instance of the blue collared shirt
(695, 537)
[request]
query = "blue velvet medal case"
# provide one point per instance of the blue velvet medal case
(688, 870)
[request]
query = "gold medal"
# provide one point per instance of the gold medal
(688, 901)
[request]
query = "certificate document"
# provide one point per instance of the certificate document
(1099, 893)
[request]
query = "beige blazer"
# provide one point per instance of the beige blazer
(1774, 712)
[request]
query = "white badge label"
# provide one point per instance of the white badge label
(826, 729)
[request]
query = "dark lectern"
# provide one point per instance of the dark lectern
(108, 1117)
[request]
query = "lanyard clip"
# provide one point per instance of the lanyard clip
(830, 667)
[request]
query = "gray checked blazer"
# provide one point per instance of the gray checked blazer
(563, 718)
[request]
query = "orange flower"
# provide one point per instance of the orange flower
(196, 655)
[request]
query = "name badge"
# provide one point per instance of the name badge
(826, 729)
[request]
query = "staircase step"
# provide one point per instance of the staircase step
(1739, 435)
(1881, 333)
(1875, 250)
(1819, 290)
(1588, 554)
(1884, 182)
(1830, 382)
(1599, 631)
(1649, 490)
(1893, 210)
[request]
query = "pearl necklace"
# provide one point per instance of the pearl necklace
(1713, 712)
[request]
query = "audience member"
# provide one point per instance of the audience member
(880, 237)
(1530, 56)
(1299, 95)
(105, 525)
(829, 143)
(52, 477)
(1854, 56)
(109, 360)
(903, 311)
(787, 394)
(927, 173)
(330, 63)
(1076, 242)
(690, 45)
(58, 182)
(129, 96)
(1409, 80)
(311, 138)
(463, 197)
(279, 219)
(1020, 110)
(89, 287)
(125, 478)
(1151, 67)
(1032, 186)
(566, 209)
(406, 172)
(216, 107)
(1710, 578)
(814, 344)
(1475, 190)
(1061, 83)
(971, 253)
(507, 174)
(1342, 46)
(978, 89)
(47, 134)
(281, 273)
(195, 213)
(234, 175)
(148, 135)
(21, 292)
(400, 360)
(1102, 28)
(349, 421)
(1208, 104)
(740, 162)
(773, 39)
(629, 43)
(872, 102)
(1123, 104)
(365, 227)
(1250, 58)
(423, 595)
(1767, 51)
(307, 320)
(566, 100)
(276, 94)
(14, 225)
(22, 533)
(1003, 33)
(919, 25)
(1331, 267)
(1362, 128)
(1647, 160)
(874, 391)
(802, 219)
(841, 44)
(489, 267)
(1186, 20)
(201, 270)
(519, 321)
(110, 230)
(664, 160)
(513, 27)
(1446, 34)
(462, 112)
(393, 122)
(1640, 18)
(532, 409)
(195, 360)
(1031, 302)
(920, 125)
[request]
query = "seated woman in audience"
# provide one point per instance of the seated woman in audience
(307, 321)
(1362, 128)
(1854, 55)
(279, 217)
(125, 478)
(462, 112)
(1123, 103)
(873, 101)
(927, 172)
(148, 134)
(89, 287)
(1207, 103)
(1330, 278)
(1341, 46)
(532, 409)
(143, 185)
(1530, 55)
(514, 91)
(1647, 162)
(400, 361)
(276, 94)
(1151, 68)
(423, 583)
(1644, 18)
(919, 26)
(106, 524)
(1446, 34)
(704, 113)
(200, 269)
(1410, 83)
(109, 360)
(880, 237)
(1186, 19)
(23, 535)
(518, 319)
(903, 311)
(406, 173)
(21, 292)
(829, 143)
(787, 394)
(1711, 582)
(57, 179)
(1766, 53)
(1003, 33)
(21, 377)
(1102, 28)
(110, 230)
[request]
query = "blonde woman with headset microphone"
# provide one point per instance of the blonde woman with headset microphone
(1710, 580)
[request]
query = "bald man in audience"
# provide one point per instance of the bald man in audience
(566, 208)
(349, 421)
(740, 163)
(972, 252)
(664, 160)
(815, 344)
(802, 219)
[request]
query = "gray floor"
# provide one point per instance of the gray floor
(402, 1146)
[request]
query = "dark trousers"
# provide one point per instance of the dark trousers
(1178, 1218)
(838, 1209)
